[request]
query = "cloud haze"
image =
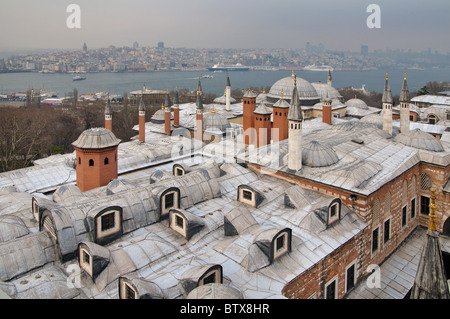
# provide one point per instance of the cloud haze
(340, 25)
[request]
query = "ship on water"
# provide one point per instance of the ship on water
(78, 77)
(318, 68)
(223, 67)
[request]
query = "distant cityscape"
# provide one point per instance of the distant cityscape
(160, 58)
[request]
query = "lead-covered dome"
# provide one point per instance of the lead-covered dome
(315, 154)
(215, 121)
(420, 139)
(323, 90)
(96, 138)
(357, 103)
(306, 92)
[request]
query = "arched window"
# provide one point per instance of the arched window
(432, 119)
(91, 162)
(334, 211)
(106, 162)
(79, 160)
(405, 190)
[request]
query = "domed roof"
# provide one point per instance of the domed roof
(160, 116)
(223, 100)
(305, 90)
(215, 121)
(96, 138)
(323, 89)
(315, 154)
(357, 103)
(420, 139)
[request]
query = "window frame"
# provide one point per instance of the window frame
(427, 206)
(334, 281)
(413, 203)
(387, 220)
(83, 264)
(377, 249)
(284, 236)
(352, 264)
(404, 219)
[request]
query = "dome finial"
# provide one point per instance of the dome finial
(213, 110)
(432, 225)
(404, 77)
(387, 76)
(282, 93)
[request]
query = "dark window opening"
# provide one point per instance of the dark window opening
(375, 240)
(107, 221)
(179, 221)
(247, 195)
(350, 277)
(413, 208)
(91, 162)
(106, 161)
(331, 290)
(86, 258)
(210, 279)
(280, 242)
(424, 205)
(169, 201)
(387, 230)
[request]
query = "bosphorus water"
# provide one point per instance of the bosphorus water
(118, 83)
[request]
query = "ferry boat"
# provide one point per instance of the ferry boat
(222, 67)
(319, 68)
(78, 77)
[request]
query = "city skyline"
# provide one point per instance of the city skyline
(204, 24)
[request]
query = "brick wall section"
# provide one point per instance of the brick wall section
(360, 248)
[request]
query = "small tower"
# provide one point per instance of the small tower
(108, 114)
(198, 135)
(295, 118)
(280, 120)
(329, 79)
(249, 104)
(262, 125)
(96, 158)
(167, 114)
(142, 119)
(404, 107)
(387, 101)
(228, 94)
(176, 109)
(326, 110)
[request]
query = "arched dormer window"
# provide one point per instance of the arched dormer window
(169, 199)
(334, 211)
(106, 161)
(432, 119)
(107, 224)
(249, 196)
(185, 223)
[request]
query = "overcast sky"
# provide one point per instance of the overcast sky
(340, 25)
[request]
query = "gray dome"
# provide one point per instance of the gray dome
(306, 92)
(223, 100)
(160, 116)
(420, 139)
(215, 121)
(357, 103)
(315, 154)
(323, 89)
(96, 138)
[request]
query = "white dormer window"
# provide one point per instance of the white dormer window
(86, 261)
(212, 276)
(179, 172)
(169, 200)
(127, 291)
(108, 223)
(334, 211)
(246, 196)
(178, 223)
(280, 245)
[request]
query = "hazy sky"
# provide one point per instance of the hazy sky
(341, 25)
